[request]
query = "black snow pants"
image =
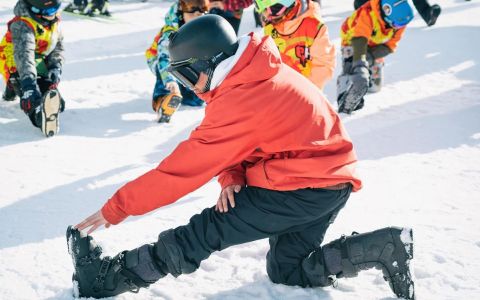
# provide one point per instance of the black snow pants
(294, 221)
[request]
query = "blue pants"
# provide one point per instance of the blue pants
(189, 97)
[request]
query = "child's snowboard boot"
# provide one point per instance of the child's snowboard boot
(389, 249)
(430, 15)
(105, 277)
(9, 93)
(50, 109)
(165, 106)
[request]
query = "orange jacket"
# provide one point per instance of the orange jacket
(279, 136)
(305, 45)
(367, 22)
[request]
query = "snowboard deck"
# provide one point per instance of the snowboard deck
(50, 113)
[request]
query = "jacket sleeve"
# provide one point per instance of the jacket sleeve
(23, 38)
(55, 58)
(231, 176)
(397, 36)
(362, 25)
(163, 57)
(323, 58)
(222, 141)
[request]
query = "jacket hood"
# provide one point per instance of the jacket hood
(375, 4)
(21, 9)
(259, 61)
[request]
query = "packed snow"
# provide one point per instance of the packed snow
(418, 142)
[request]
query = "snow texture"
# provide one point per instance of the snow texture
(418, 142)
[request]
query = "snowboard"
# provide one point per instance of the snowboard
(51, 104)
(68, 10)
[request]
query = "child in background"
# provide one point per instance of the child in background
(168, 94)
(31, 58)
(218, 7)
(368, 35)
(90, 9)
(301, 36)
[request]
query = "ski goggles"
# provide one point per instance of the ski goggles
(262, 5)
(276, 11)
(45, 11)
(194, 9)
(187, 71)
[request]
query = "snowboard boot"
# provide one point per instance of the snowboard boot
(104, 10)
(389, 249)
(9, 93)
(430, 15)
(106, 277)
(51, 108)
(165, 106)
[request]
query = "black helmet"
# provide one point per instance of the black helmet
(44, 4)
(44, 7)
(199, 46)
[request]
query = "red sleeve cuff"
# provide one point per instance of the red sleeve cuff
(112, 214)
(229, 179)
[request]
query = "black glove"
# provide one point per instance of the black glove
(360, 75)
(31, 96)
(54, 75)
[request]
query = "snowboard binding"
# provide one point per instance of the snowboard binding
(376, 78)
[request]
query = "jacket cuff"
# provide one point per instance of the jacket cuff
(229, 179)
(112, 213)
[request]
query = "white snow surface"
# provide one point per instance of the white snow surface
(418, 142)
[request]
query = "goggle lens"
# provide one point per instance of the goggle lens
(45, 12)
(184, 73)
(192, 10)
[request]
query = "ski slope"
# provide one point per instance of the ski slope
(418, 141)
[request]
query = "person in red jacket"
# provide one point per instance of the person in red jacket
(284, 177)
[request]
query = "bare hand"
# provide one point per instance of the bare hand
(96, 220)
(227, 193)
(173, 87)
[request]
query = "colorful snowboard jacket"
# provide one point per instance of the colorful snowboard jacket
(157, 55)
(305, 46)
(367, 22)
(284, 135)
(26, 42)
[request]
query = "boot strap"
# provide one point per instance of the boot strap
(100, 279)
(92, 256)
(348, 269)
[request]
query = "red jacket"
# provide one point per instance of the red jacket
(265, 125)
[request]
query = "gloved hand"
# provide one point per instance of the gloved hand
(31, 96)
(360, 75)
(54, 75)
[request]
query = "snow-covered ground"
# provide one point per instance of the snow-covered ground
(418, 141)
